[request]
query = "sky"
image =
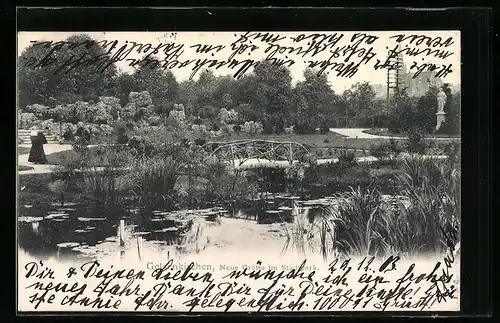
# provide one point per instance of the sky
(365, 73)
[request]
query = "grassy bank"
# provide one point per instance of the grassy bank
(386, 132)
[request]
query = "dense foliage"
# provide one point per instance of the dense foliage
(264, 100)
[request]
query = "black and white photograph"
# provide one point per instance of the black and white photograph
(241, 171)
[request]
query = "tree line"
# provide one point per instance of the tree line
(266, 95)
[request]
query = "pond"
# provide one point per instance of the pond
(80, 231)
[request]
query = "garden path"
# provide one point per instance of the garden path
(22, 159)
(359, 134)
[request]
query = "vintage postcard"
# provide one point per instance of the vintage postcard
(241, 171)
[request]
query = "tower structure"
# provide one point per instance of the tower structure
(396, 73)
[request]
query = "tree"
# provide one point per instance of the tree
(204, 100)
(124, 84)
(315, 101)
(225, 88)
(48, 70)
(403, 115)
(452, 108)
(160, 84)
(187, 96)
(273, 94)
(359, 102)
(425, 113)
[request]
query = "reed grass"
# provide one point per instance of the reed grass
(365, 223)
(152, 181)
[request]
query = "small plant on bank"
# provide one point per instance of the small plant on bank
(59, 188)
(416, 142)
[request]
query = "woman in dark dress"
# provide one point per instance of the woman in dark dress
(37, 154)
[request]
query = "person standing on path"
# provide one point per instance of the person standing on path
(37, 154)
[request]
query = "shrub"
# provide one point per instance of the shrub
(347, 157)
(177, 118)
(237, 128)
(228, 116)
(252, 127)
(394, 147)
(268, 127)
(324, 129)
(199, 131)
(425, 219)
(380, 151)
(214, 127)
(59, 187)
(27, 120)
(38, 110)
(224, 183)
(416, 142)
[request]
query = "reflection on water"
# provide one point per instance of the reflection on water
(87, 232)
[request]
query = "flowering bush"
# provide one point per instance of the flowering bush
(228, 129)
(38, 110)
(139, 106)
(110, 104)
(177, 117)
(228, 116)
(252, 127)
(154, 120)
(199, 131)
(28, 120)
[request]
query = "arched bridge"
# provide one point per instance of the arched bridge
(249, 153)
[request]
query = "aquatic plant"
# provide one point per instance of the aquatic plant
(59, 187)
(424, 219)
(152, 181)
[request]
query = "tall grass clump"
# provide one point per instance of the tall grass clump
(96, 172)
(152, 181)
(430, 222)
(353, 219)
(433, 188)
(424, 219)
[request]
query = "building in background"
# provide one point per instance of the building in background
(418, 86)
(400, 78)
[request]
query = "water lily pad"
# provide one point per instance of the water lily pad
(55, 215)
(68, 245)
(59, 219)
(171, 229)
(65, 204)
(90, 219)
(158, 219)
(141, 233)
(29, 219)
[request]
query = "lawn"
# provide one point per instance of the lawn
(61, 157)
(312, 141)
(386, 132)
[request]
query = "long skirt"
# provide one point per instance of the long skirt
(37, 154)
